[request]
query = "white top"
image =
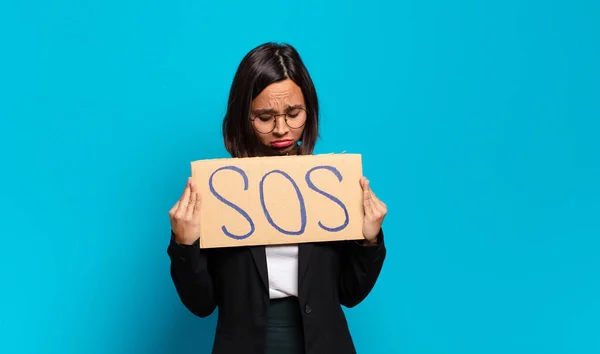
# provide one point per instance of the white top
(282, 266)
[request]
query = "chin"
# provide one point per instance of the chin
(280, 152)
(285, 151)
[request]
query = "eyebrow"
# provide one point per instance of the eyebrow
(273, 111)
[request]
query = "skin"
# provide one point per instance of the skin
(276, 98)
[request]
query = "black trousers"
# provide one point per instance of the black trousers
(284, 327)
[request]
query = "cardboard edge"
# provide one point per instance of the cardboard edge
(223, 159)
(216, 245)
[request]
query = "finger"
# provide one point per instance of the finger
(177, 204)
(174, 209)
(366, 191)
(184, 201)
(378, 203)
(375, 202)
(193, 191)
(367, 201)
(197, 205)
(187, 184)
(366, 184)
(374, 196)
(190, 208)
(362, 182)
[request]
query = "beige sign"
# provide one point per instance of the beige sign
(279, 200)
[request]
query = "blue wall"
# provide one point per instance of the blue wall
(479, 123)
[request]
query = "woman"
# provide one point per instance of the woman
(274, 299)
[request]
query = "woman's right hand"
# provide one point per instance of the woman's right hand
(185, 215)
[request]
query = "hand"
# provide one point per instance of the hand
(185, 215)
(375, 212)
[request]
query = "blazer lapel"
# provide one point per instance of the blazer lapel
(304, 252)
(260, 260)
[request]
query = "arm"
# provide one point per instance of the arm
(191, 276)
(361, 265)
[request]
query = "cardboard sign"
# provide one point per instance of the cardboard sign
(279, 200)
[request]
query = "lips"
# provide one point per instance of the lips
(280, 144)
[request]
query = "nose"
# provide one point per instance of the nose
(281, 127)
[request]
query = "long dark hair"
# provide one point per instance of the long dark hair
(262, 66)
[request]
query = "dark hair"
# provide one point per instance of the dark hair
(262, 66)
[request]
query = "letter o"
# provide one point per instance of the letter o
(300, 199)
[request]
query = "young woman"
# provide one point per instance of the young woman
(274, 299)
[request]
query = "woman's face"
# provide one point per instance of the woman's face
(268, 114)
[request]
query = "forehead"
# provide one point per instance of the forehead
(278, 94)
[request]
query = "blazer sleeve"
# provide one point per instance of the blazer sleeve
(361, 266)
(191, 277)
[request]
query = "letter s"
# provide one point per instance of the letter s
(312, 186)
(233, 206)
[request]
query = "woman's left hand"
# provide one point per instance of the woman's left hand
(375, 212)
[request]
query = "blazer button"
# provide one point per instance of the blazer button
(307, 309)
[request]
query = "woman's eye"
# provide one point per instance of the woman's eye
(264, 118)
(293, 113)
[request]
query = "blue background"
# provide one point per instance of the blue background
(479, 125)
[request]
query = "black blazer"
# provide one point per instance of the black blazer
(330, 274)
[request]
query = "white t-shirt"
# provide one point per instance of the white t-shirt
(282, 266)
